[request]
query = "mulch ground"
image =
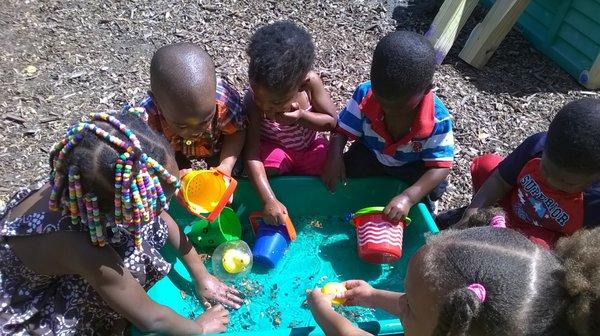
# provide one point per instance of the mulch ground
(63, 59)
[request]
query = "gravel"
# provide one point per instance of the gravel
(63, 59)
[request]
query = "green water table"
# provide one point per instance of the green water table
(307, 197)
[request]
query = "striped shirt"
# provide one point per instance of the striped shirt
(229, 118)
(293, 137)
(430, 139)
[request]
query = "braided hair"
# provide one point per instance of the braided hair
(529, 290)
(102, 169)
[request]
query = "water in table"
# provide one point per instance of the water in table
(324, 251)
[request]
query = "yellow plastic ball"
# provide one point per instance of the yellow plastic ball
(232, 259)
(334, 288)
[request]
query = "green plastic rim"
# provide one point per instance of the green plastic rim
(369, 210)
(230, 225)
(376, 209)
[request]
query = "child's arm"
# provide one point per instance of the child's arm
(492, 190)
(274, 211)
(209, 287)
(232, 147)
(334, 169)
(360, 293)
(324, 112)
(104, 270)
(400, 205)
(331, 322)
(322, 117)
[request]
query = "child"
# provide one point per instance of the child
(200, 120)
(287, 105)
(400, 126)
(549, 185)
(485, 281)
(83, 267)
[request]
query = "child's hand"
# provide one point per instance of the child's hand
(214, 320)
(213, 290)
(183, 172)
(319, 301)
(274, 213)
(398, 208)
(333, 171)
(359, 293)
(290, 118)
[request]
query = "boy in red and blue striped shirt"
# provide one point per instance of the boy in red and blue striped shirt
(400, 127)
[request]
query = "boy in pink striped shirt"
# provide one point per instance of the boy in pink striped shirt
(287, 105)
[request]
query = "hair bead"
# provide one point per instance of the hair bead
(137, 198)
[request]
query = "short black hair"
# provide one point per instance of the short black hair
(529, 290)
(403, 63)
(281, 54)
(573, 139)
(181, 70)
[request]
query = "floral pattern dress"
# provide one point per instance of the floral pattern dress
(34, 304)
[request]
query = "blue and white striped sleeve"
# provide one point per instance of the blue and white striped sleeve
(438, 149)
(350, 120)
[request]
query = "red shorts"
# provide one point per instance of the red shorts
(304, 162)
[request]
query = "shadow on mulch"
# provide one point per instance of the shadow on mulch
(516, 67)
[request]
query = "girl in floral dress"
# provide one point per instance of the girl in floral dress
(79, 250)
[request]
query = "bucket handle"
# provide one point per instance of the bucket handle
(256, 215)
(219, 207)
(226, 196)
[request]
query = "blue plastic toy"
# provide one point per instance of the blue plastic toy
(271, 241)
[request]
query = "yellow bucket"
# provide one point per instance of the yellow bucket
(206, 192)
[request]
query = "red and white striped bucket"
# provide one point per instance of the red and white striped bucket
(379, 241)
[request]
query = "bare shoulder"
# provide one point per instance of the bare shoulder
(314, 79)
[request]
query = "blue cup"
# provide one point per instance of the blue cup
(270, 245)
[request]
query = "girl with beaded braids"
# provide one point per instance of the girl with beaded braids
(486, 281)
(78, 252)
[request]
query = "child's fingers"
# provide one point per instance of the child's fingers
(330, 182)
(233, 290)
(234, 298)
(270, 220)
(230, 303)
(393, 214)
(349, 284)
(386, 210)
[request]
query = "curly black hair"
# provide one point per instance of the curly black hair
(530, 291)
(573, 140)
(403, 63)
(281, 54)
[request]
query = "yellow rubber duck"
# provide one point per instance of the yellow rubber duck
(334, 288)
(235, 261)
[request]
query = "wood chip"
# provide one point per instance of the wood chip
(49, 119)
(14, 118)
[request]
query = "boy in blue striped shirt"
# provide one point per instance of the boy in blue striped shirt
(400, 127)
